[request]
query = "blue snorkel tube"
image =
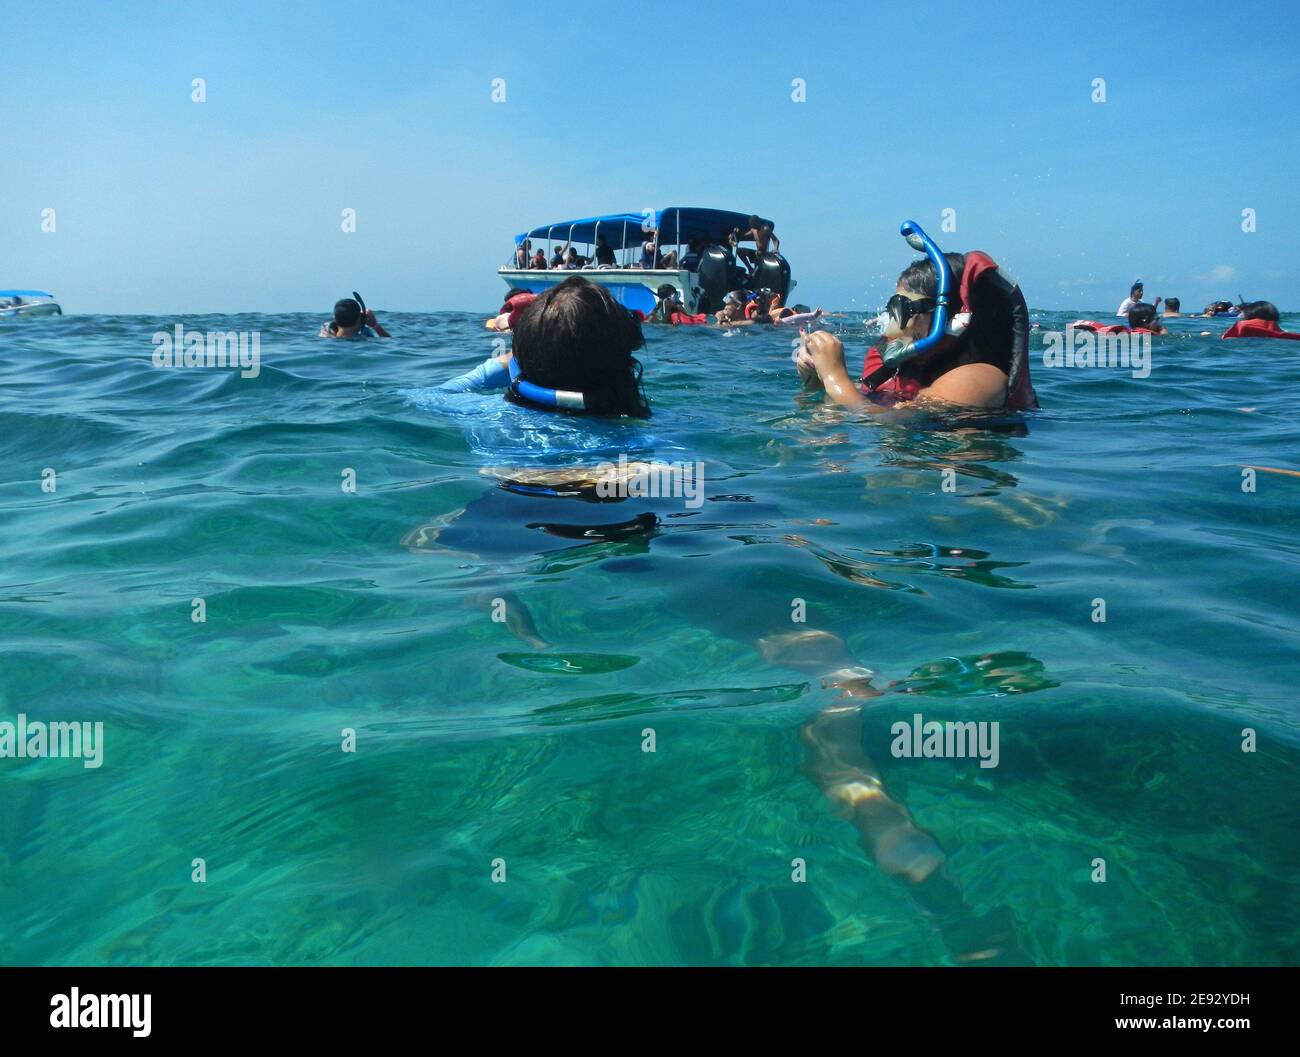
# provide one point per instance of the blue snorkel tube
(543, 397)
(919, 240)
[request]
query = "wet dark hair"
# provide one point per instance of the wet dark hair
(919, 277)
(578, 338)
(347, 313)
(1260, 310)
(1173, 304)
(1141, 315)
(1135, 288)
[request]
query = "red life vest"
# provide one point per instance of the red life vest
(1258, 328)
(1101, 328)
(516, 305)
(681, 319)
(1020, 390)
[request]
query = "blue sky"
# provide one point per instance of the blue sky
(164, 205)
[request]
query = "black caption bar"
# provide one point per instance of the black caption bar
(142, 1006)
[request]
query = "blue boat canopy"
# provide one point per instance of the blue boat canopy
(677, 225)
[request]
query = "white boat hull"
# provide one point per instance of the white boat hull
(631, 287)
(45, 309)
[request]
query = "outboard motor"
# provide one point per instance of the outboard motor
(714, 279)
(773, 272)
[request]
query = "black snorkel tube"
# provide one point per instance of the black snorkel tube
(919, 240)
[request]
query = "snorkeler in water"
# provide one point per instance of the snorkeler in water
(352, 320)
(1142, 319)
(979, 360)
(1259, 319)
(732, 312)
(573, 354)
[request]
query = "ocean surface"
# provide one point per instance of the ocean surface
(500, 807)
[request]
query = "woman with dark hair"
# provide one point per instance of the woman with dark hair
(572, 353)
(577, 338)
(983, 360)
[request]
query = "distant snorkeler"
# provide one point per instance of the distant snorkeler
(1135, 296)
(352, 320)
(1259, 319)
(1220, 308)
(1142, 319)
(980, 360)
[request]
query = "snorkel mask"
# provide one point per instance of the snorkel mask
(901, 309)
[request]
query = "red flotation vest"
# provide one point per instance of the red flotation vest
(516, 305)
(1258, 328)
(1020, 390)
(681, 319)
(1107, 328)
(1098, 328)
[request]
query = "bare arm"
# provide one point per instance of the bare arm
(971, 385)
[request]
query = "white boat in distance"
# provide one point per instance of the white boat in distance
(704, 274)
(28, 303)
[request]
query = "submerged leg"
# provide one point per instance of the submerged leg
(847, 776)
(838, 765)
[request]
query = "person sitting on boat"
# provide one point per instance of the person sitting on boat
(538, 262)
(763, 237)
(352, 321)
(522, 252)
(1259, 319)
(573, 260)
(604, 253)
(557, 258)
(694, 250)
(650, 257)
(982, 360)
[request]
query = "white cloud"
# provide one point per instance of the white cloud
(1220, 273)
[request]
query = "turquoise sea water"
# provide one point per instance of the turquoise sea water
(521, 741)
